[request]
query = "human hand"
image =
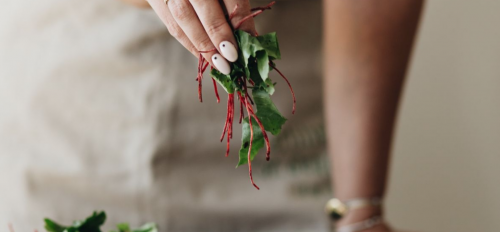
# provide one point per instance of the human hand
(202, 27)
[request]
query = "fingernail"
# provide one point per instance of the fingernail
(228, 51)
(221, 64)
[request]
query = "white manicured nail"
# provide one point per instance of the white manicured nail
(221, 64)
(228, 51)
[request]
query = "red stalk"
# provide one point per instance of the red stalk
(243, 100)
(268, 7)
(241, 110)
(225, 124)
(228, 126)
(230, 122)
(250, 99)
(228, 145)
(268, 145)
(289, 85)
(231, 16)
(201, 61)
(204, 68)
(231, 116)
(258, 11)
(216, 91)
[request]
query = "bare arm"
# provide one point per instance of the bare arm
(367, 49)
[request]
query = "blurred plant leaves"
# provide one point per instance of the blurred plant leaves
(93, 223)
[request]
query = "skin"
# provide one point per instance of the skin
(201, 25)
(367, 48)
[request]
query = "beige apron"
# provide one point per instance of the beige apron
(99, 110)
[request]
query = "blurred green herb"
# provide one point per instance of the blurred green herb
(93, 223)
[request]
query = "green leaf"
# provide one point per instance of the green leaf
(262, 48)
(267, 112)
(271, 119)
(93, 224)
(255, 76)
(223, 80)
(90, 224)
(269, 86)
(123, 227)
(249, 45)
(52, 226)
(148, 227)
(257, 144)
(270, 43)
(263, 64)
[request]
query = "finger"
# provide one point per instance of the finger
(241, 12)
(215, 23)
(173, 28)
(186, 17)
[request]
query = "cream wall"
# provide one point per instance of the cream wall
(446, 167)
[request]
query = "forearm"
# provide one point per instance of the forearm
(367, 48)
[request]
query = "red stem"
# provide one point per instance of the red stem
(232, 116)
(202, 67)
(231, 16)
(250, 99)
(241, 110)
(289, 85)
(229, 124)
(257, 12)
(216, 91)
(228, 145)
(205, 67)
(201, 61)
(227, 119)
(268, 145)
(250, 145)
(268, 7)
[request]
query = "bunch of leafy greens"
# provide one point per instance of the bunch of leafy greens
(256, 56)
(93, 223)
